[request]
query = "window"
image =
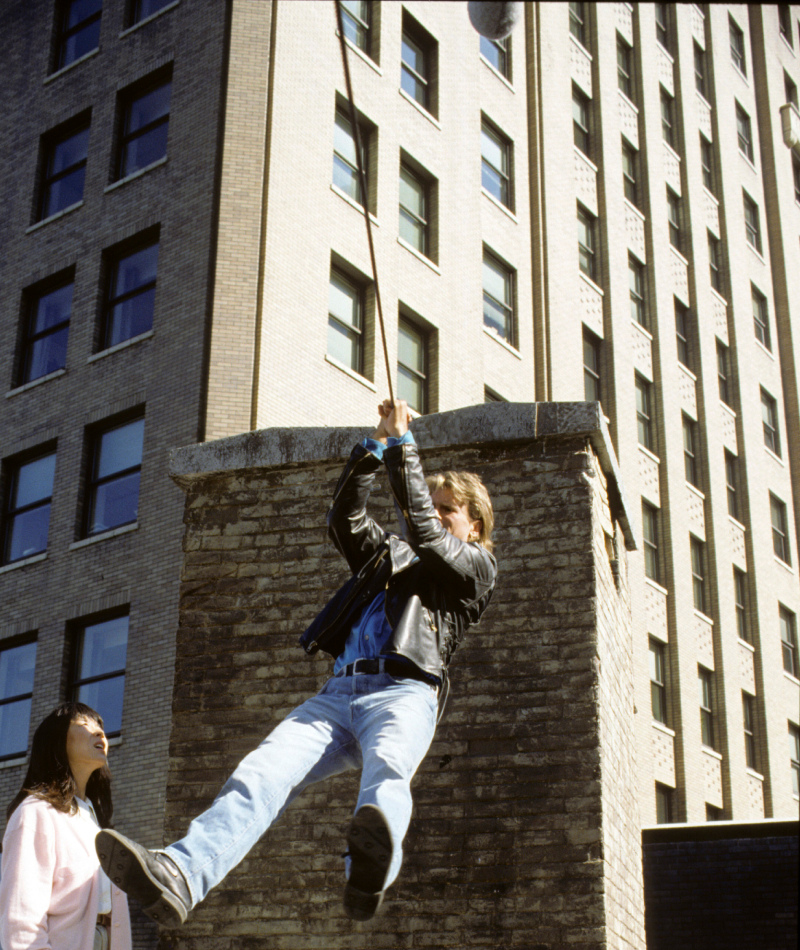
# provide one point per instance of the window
(64, 168)
(668, 118)
(418, 59)
(144, 126)
(737, 46)
(796, 173)
(732, 483)
(664, 806)
(141, 9)
(790, 89)
(580, 120)
(30, 490)
(744, 131)
(769, 419)
(723, 374)
(652, 567)
(591, 366)
(356, 22)
(662, 25)
(636, 288)
(412, 366)
(674, 218)
(496, 164)
(131, 294)
(740, 604)
(498, 53)
(682, 333)
(116, 463)
(345, 164)
(691, 462)
(713, 813)
(644, 412)
(705, 682)
(498, 298)
(577, 22)
(489, 395)
(700, 71)
(78, 30)
(99, 678)
(714, 262)
(780, 529)
(346, 322)
(749, 720)
(788, 626)
(707, 162)
(785, 22)
(794, 758)
(658, 681)
(625, 67)
(629, 176)
(587, 259)
(698, 560)
(17, 665)
(751, 222)
(414, 210)
(46, 329)
(760, 317)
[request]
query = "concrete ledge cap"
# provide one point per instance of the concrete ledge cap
(487, 423)
(721, 831)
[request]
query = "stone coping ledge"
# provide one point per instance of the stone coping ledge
(486, 423)
(721, 830)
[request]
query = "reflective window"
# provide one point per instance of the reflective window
(99, 681)
(78, 30)
(737, 46)
(705, 680)
(780, 529)
(658, 681)
(345, 321)
(414, 210)
(412, 369)
(644, 412)
(131, 295)
(788, 627)
(116, 468)
(64, 171)
(414, 70)
(44, 346)
(698, 559)
(17, 665)
(498, 53)
(587, 260)
(498, 298)
(28, 508)
(345, 163)
(740, 605)
(650, 536)
(496, 164)
(144, 8)
(356, 22)
(769, 419)
(145, 124)
(591, 367)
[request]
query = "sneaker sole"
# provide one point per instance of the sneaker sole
(127, 870)
(369, 843)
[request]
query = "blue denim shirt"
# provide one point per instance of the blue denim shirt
(371, 631)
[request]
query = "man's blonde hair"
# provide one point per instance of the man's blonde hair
(467, 489)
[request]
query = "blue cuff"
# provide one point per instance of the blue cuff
(376, 447)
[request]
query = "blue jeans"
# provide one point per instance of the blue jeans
(378, 722)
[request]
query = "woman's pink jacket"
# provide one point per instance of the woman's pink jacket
(50, 884)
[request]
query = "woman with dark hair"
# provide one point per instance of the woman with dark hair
(53, 894)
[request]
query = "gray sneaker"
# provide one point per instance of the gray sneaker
(369, 844)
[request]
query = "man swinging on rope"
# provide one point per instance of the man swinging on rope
(392, 629)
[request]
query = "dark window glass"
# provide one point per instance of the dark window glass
(46, 332)
(714, 262)
(145, 124)
(662, 25)
(580, 120)
(658, 682)
(760, 317)
(131, 295)
(749, 717)
(769, 418)
(79, 30)
(788, 626)
(346, 322)
(28, 507)
(785, 22)
(498, 53)
(414, 225)
(705, 678)
(577, 21)
(644, 412)
(691, 461)
(707, 162)
(113, 498)
(700, 71)
(698, 553)
(650, 535)
(780, 529)
(790, 89)
(740, 603)
(636, 289)
(796, 173)
(682, 334)
(17, 666)
(732, 482)
(587, 259)
(591, 367)
(737, 46)
(496, 164)
(744, 131)
(412, 368)
(668, 118)
(629, 176)
(625, 67)
(64, 171)
(498, 298)
(674, 219)
(356, 22)
(145, 8)
(100, 670)
(794, 758)
(723, 374)
(345, 165)
(664, 806)
(414, 71)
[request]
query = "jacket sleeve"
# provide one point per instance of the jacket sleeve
(466, 567)
(355, 535)
(26, 885)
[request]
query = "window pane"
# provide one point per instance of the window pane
(496, 281)
(28, 533)
(146, 8)
(131, 317)
(76, 41)
(106, 697)
(411, 348)
(147, 108)
(120, 448)
(15, 721)
(34, 481)
(355, 21)
(343, 302)
(16, 670)
(103, 648)
(412, 193)
(343, 345)
(115, 503)
(68, 152)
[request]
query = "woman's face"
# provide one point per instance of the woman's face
(87, 746)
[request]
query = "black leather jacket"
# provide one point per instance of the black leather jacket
(436, 585)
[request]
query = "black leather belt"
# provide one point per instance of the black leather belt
(380, 664)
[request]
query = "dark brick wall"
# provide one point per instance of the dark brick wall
(721, 887)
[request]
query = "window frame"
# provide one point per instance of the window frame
(683, 341)
(500, 59)
(361, 28)
(761, 317)
(50, 142)
(740, 604)
(128, 98)
(507, 307)
(93, 481)
(770, 422)
(663, 26)
(781, 544)
(658, 680)
(422, 376)
(625, 69)
(674, 219)
(714, 262)
(724, 374)
(650, 538)
(581, 121)
(732, 484)
(700, 71)
(422, 224)
(737, 45)
(630, 167)
(749, 728)
(637, 291)
(787, 625)
(785, 23)
(592, 377)
(665, 806)
(504, 176)
(744, 134)
(19, 643)
(699, 570)
(64, 34)
(794, 757)
(78, 630)
(707, 725)
(359, 328)
(114, 258)
(135, 14)
(691, 453)
(588, 252)
(30, 337)
(645, 413)
(707, 164)
(13, 511)
(668, 129)
(578, 25)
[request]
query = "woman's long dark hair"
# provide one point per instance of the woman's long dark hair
(49, 776)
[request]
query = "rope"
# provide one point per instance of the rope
(362, 180)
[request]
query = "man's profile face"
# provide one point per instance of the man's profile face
(454, 517)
